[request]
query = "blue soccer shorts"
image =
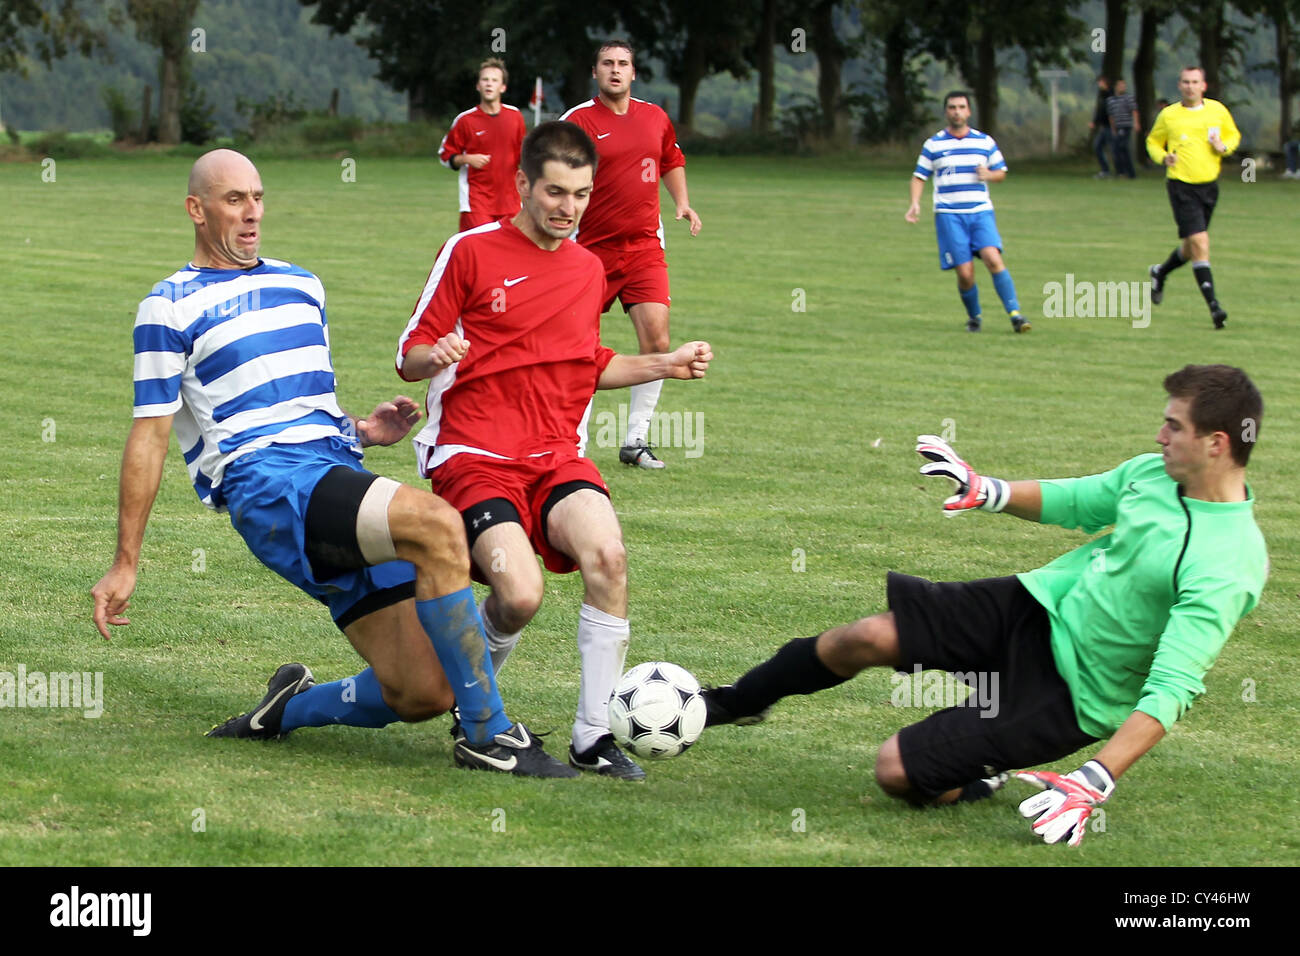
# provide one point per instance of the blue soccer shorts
(963, 235)
(267, 493)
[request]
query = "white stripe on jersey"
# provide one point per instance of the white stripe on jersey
(431, 286)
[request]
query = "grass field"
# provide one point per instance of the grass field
(804, 494)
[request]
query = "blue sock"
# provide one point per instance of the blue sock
(355, 701)
(971, 299)
(1006, 290)
(456, 632)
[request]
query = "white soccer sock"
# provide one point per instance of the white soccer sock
(643, 401)
(602, 642)
(499, 645)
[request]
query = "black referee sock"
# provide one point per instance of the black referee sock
(1205, 281)
(1173, 262)
(794, 669)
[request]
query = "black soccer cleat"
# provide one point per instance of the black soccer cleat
(514, 751)
(1218, 315)
(716, 712)
(1019, 323)
(639, 455)
(263, 722)
(1157, 285)
(973, 325)
(604, 757)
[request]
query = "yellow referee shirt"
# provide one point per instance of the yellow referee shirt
(1187, 132)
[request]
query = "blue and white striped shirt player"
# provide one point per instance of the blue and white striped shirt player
(953, 162)
(241, 358)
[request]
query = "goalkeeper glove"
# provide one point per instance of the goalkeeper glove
(973, 491)
(1066, 802)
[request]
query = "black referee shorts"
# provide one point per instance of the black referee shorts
(1193, 205)
(996, 638)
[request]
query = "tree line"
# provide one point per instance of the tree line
(429, 49)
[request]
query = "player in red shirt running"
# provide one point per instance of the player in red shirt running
(638, 147)
(483, 144)
(508, 330)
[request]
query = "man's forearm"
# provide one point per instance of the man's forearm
(917, 189)
(1134, 738)
(142, 464)
(675, 183)
(625, 370)
(1026, 500)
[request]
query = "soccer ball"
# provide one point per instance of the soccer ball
(657, 710)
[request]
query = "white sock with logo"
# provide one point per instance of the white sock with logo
(643, 402)
(499, 645)
(602, 642)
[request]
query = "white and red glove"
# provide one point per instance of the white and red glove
(1066, 802)
(973, 491)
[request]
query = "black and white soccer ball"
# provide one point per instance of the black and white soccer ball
(657, 710)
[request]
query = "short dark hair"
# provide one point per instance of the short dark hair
(610, 44)
(562, 141)
(955, 94)
(1220, 399)
(1198, 69)
(495, 63)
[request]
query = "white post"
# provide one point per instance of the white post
(1055, 76)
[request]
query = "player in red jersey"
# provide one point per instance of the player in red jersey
(508, 330)
(637, 147)
(483, 144)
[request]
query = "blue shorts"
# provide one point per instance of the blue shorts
(963, 235)
(267, 492)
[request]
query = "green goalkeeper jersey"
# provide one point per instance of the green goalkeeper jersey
(1140, 614)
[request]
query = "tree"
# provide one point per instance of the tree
(968, 36)
(1283, 14)
(165, 24)
(61, 28)
(428, 50)
(1112, 61)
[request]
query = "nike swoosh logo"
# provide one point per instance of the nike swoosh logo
(479, 132)
(603, 135)
(510, 282)
(255, 722)
(506, 765)
(471, 684)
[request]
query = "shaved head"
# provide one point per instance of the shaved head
(219, 165)
(225, 204)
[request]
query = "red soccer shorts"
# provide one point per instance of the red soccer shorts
(466, 479)
(633, 276)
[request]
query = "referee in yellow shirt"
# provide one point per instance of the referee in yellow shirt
(1190, 138)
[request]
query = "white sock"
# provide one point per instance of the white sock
(644, 399)
(602, 642)
(499, 645)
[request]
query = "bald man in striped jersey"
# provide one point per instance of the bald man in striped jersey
(232, 352)
(963, 162)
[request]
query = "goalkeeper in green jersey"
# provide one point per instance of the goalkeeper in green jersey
(1110, 641)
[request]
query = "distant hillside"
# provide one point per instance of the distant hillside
(258, 49)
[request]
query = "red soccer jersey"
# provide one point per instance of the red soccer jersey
(532, 320)
(491, 190)
(635, 149)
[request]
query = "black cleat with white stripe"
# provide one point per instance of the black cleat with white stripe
(263, 721)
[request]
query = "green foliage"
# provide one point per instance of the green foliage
(61, 144)
(122, 119)
(197, 123)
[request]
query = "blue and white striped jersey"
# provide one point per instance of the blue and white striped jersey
(953, 162)
(241, 359)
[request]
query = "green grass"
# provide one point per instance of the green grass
(807, 463)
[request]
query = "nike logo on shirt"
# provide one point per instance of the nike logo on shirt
(510, 282)
(603, 135)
